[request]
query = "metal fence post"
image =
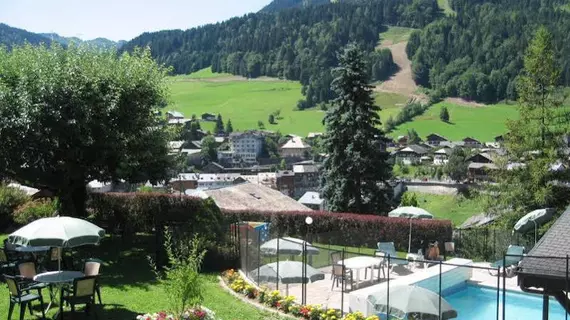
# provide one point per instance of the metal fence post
(498, 289)
(504, 285)
(342, 282)
(566, 289)
(388, 288)
(566, 279)
(258, 254)
(278, 256)
(247, 252)
(439, 299)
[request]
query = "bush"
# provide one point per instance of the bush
(33, 210)
(348, 229)
(10, 199)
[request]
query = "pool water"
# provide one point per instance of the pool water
(480, 303)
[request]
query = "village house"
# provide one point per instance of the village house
(295, 147)
(306, 178)
(479, 166)
(410, 155)
(174, 115)
(402, 141)
(435, 139)
(441, 156)
(313, 135)
(472, 143)
(245, 147)
(175, 146)
(312, 200)
(208, 117)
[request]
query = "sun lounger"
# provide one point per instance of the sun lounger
(389, 250)
(512, 258)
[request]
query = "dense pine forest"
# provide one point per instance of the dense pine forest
(478, 53)
(277, 5)
(296, 44)
(10, 36)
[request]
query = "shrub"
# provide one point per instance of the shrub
(33, 210)
(10, 199)
(348, 229)
(181, 280)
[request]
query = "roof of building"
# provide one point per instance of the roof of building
(219, 139)
(478, 165)
(452, 144)
(178, 121)
(295, 143)
(190, 151)
(175, 114)
(249, 196)
(175, 144)
(413, 148)
(314, 134)
(469, 139)
(485, 155)
(237, 135)
(554, 243)
(435, 136)
(444, 150)
(28, 190)
(478, 220)
(305, 168)
(311, 197)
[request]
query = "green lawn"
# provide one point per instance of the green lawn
(450, 207)
(483, 123)
(396, 34)
(246, 102)
(128, 286)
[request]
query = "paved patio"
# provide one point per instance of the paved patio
(324, 293)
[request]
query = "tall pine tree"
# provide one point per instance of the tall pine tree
(229, 127)
(219, 129)
(356, 170)
(537, 138)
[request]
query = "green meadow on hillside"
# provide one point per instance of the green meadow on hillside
(396, 34)
(246, 102)
(483, 123)
(451, 207)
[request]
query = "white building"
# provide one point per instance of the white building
(245, 147)
(295, 147)
(441, 156)
(313, 200)
(205, 181)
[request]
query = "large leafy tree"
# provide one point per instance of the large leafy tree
(536, 139)
(355, 172)
(72, 115)
(456, 166)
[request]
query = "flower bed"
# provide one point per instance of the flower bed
(200, 313)
(286, 304)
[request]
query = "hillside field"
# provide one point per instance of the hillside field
(483, 123)
(456, 208)
(246, 102)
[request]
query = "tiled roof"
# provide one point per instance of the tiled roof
(554, 243)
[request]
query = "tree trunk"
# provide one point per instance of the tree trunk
(72, 200)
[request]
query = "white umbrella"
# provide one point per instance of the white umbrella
(404, 300)
(61, 232)
(532, 220)
(287, 245)
(410, 213)
(287, 272)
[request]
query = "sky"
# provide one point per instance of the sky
(118, 19)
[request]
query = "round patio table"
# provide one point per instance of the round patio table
(361, 262)
(58, 279)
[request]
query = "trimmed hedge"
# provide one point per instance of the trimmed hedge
(139, 212)
(349, 229)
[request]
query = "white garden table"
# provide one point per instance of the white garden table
(362, 262)
(58, 279)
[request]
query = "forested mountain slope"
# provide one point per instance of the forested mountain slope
(295, 44)
(478, 53)
(10, 36)
(277, 5)
(103, 43)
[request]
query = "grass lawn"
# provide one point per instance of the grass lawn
(246, 102)
(396, 34)
(483, 123)
(129, 288)
(454, 208)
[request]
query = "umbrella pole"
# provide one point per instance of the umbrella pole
(535, 230)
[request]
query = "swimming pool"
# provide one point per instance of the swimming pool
(476, 303)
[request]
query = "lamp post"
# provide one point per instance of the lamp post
(308, 222)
